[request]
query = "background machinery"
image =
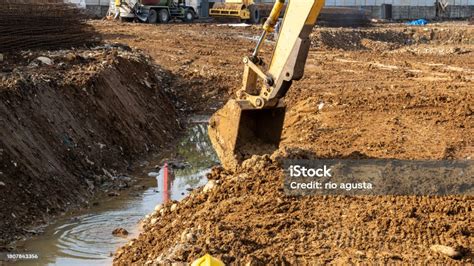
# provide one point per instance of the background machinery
(253, 123)
(256, 11)
(249, 11)
(156, 11)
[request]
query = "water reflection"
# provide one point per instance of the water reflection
(87, 239)
(197, 150)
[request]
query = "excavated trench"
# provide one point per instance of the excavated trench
(86, 239)
(72, 128)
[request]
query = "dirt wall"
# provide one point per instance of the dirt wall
(68, 128)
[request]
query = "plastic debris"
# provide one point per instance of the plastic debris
(418, 22)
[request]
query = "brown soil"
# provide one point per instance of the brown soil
(247, 218)
(70, 129)
(388, 91)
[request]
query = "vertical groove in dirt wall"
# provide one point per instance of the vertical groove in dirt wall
(54, 139)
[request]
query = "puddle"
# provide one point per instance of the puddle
(87, 239)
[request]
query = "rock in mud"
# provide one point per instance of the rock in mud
(153, 174)
(120, 232)
(256, 162)
(451, 252)
(209, 186)
(158, 207)
(45, 60)
(178, 165)
(163, 211)
(173, 207)
(70, 57)
(188, 236)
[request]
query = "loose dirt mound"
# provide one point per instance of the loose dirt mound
(279, 229)
(68, 128)
(387, 38)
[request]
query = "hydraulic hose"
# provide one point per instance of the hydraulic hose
(269, 25)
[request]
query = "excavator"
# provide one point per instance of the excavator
(252, 123)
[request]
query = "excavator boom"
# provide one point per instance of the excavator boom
(253, 123)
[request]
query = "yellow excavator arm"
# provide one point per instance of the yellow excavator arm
(289, 56)
(253, 123)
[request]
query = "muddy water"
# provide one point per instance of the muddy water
(87, 238)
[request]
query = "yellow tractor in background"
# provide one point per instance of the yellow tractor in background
(248, 11)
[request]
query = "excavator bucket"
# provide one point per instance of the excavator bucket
(238, 131)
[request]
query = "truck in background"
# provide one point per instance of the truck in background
(155, 11)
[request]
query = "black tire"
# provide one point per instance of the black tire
(164, 16)
(152, 17)
(254, 15)
(188, 16)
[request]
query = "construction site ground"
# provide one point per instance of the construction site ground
(386, 91)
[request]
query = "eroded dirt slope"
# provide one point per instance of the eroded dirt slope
(68, 128)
